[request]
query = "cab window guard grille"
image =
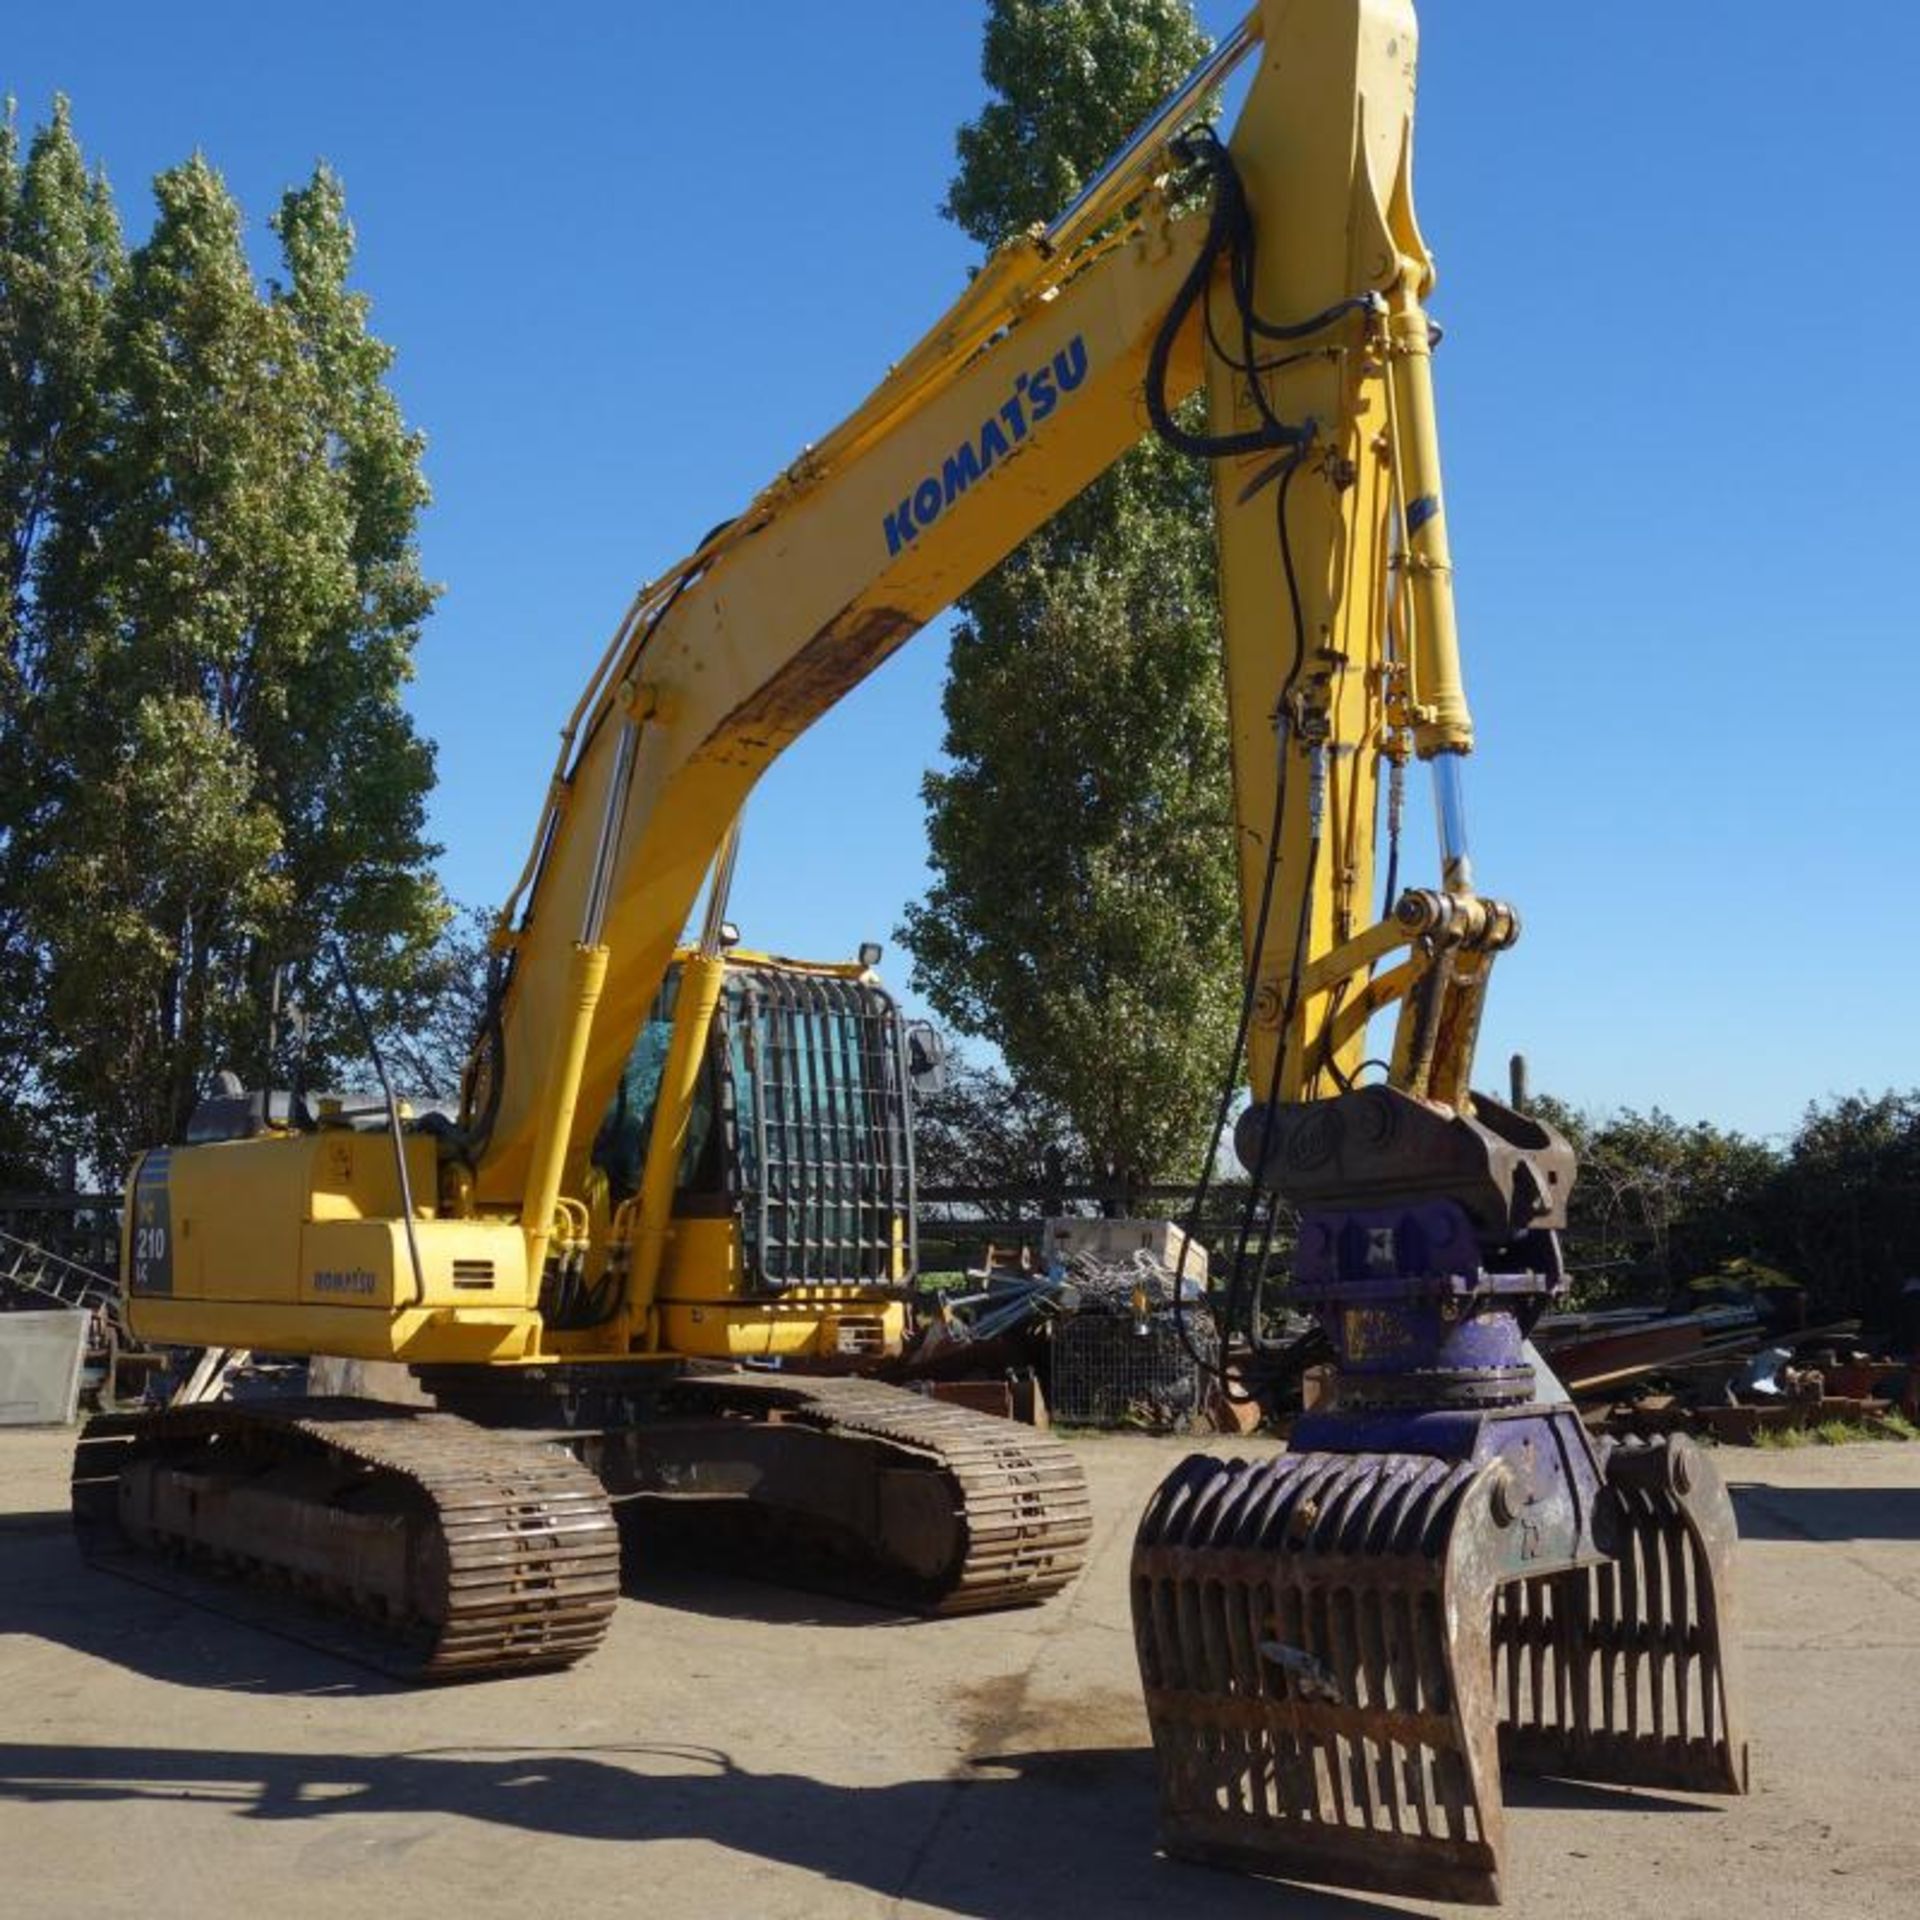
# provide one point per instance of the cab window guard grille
(819, 1076)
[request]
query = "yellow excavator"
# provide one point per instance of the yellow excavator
(1338, 1644)
(762, 1123)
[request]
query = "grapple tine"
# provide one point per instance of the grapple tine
(1384, 1804)
(1415, 1770)
(1505, 1686)
(1306, 1770)
(1653, 1700)
(1579, 1654)
(1406, 1612)
(1654, 1598)
(1632, 1610)
(1534, 1595)
(1326, 1641)
(1244, 1679)
(1680, 1626)
(1604, 1617)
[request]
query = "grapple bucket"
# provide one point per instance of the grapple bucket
(1329, 1641)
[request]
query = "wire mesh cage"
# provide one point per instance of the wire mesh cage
(1117, 1370)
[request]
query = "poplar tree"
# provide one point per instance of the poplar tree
(1082, 914)
(223, 609)
(61, 259)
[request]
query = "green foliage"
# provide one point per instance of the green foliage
(1659, 1202)
(60, 262)
(1846, 1210)
(1741, 1275)
(1666, 1209)
(1071, 80)
(429, 1030)
(983, 1130)
(214, 601)
(1082, 915)
(1837, 1433)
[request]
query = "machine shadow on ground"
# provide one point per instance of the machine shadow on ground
(1551, 1793)
(1022, 1837)
(666, 1569)
(1825, 1513)
(233, 1647)
(1016, 1835)
(48, 1592)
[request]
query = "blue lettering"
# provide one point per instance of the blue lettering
(959, 471)
(900, 527)
(1035, 396)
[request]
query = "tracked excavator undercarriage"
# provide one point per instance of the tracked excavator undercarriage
(481, 1539)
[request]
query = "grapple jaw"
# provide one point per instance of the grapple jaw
(1338, 1650)
(1314, 1640)
(1624, 1670)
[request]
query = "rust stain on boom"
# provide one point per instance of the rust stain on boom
(828, 667)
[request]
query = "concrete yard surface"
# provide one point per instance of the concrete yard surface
(737, 1750)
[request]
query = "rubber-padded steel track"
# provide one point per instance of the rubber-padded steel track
(1020, 1498)
(431, 1548)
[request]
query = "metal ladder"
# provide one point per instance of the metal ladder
(35, 1270)
(56, 1279)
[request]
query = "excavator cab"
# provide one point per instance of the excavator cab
(801, 1129)
(793, 1215)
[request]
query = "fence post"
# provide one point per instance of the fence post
(1517, 1083)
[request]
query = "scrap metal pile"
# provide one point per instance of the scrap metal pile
(1107, 1334)
(1096, 1338)
(1126, 1357)
(1729, 1373)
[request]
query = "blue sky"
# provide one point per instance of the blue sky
(634, 257)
